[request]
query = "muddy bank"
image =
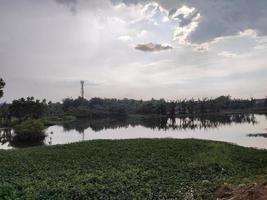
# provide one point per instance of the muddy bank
(256, 191)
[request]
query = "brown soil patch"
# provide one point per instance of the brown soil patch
(257, 191)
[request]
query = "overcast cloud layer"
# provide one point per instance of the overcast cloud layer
(136, 49)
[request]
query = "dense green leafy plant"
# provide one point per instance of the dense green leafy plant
(127, 169)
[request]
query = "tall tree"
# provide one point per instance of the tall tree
(2, 84)
(27, 108)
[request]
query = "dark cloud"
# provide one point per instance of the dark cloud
(150, 47)
(183, 19)
(71, 4)
(130, 2)
(76, 6)
(217, 18)
(221, 18)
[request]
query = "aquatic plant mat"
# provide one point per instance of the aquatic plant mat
(128, 169)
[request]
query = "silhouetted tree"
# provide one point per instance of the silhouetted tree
(27, 108)
(2, 85)
(172, 109)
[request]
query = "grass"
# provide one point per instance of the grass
(127, 169)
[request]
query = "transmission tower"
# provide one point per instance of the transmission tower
(82, 89)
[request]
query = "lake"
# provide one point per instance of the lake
(242, 129)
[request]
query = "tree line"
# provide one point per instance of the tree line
(120, 107)
(31, 108)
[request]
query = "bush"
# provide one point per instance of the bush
(30, 130)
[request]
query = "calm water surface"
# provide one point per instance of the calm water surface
(233, 129)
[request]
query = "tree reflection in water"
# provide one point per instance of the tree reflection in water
(159, 123)
(7, 136)
(163, 123)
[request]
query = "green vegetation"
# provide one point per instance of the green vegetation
(97, 107)
(71, 109)
(29, 127)
(28, 132)
(28, 108)
(25, 134)
(128, 169)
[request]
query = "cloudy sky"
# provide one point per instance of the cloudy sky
(133, 48)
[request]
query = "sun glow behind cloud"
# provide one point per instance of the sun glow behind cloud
(185, 54)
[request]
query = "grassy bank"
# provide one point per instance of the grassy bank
(127, 169)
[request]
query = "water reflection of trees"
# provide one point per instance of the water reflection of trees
(7, 136)
(182, 123)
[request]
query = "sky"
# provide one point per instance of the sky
(139, 49)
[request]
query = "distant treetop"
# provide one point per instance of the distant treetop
(2, 85)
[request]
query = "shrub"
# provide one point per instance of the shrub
(30, 130)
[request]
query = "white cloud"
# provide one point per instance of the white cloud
(188, 20)
(182, 33)
(140, 12)
(227, 54)
(249, 32)
(183, 12)
(125, 38)
(142, 34)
